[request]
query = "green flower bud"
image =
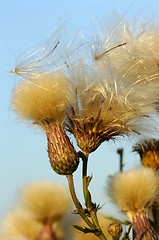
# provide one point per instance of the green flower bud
(115, 230)
(62, 154)
(142, 228)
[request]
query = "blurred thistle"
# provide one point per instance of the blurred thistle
(46, 201)
(63, 228)
(149, 156)
(7, 236)
(134, 191)
(149, 153)
(20, 223)
(42, 213)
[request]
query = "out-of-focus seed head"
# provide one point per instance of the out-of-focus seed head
(46, 201)
(21, 223)
(142, 228)
(134, 190)
(149, 153)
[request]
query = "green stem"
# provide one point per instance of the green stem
(76, 202)
(87, 196)
(84, 176)
(95, 219)
(120, 152)
(100, 234)
(96, 223)
(155, 223)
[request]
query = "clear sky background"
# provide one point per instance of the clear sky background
(23, 155)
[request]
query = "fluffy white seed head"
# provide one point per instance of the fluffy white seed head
(20, 223)
(132, 51)
(63, 228)
(45, 55)
(119, 100)
(46, 200)
(135, 64)
(42, 97)
(87, 100)
(106, 106)
(134, 190)
(129, 105)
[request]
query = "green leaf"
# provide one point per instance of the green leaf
(97, 207)
(85, 229)
(85, 211)
(88, 200)
(89, 178)
(125, 222)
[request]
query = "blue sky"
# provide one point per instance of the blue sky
(23, 156)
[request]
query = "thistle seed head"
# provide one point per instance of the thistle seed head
(42, 97)
(46, 201)
(149, 153)
(134, 190)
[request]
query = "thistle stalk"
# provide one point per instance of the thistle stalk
(87, 195)
(155, 223)
(47, 233)
(76, 201)
(99, 234)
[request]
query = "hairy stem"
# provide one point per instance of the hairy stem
(76, 202)
(99, 234)
(84, 177)
(87, 196)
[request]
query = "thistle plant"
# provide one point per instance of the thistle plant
(39, 213)
(134, 51)
(20, 223)
(7, 236)
(148, 151)
(44, 99)
(134, 192)
(95, 101)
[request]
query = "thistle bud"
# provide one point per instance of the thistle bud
(115, 230)
(47, 233)
(63, 157)
(149, 153)
(134, 192)
(142, 228)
